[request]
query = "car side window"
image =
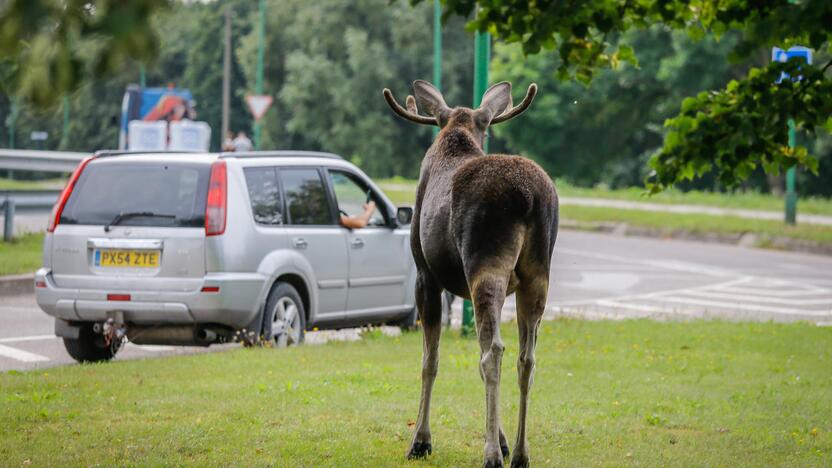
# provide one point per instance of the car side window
(306, 199)
(264, 192)
(351, 196)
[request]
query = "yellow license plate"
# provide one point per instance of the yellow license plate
(127, 258)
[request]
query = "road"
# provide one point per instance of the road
(593, 276)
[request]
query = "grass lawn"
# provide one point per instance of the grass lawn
(605, 393)
(51, 184)
(699, 223)
(22, 255)
(400, 191)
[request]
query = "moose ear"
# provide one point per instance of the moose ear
(428, 98)
(496, 99)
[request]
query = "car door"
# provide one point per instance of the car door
(377, 253)
(314, 234)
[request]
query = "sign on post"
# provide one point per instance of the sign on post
(781, 55)
(798, 52)
(39, 136)
(258, 105)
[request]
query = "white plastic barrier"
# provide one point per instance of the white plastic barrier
(147, 136)
(187, 135)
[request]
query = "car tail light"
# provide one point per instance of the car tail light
(216, 207)
(40, 284)
(58, 208)
(118, 297)
(211, 289)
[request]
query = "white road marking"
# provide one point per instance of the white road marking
(738, 306)
(18, 339)
(20, 355)
(773, 292)
(760, 298)
(627, 306)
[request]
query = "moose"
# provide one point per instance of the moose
(484, 227)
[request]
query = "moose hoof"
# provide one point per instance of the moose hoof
(419, 450)
(520, 461)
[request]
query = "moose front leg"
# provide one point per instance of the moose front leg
(429, 304)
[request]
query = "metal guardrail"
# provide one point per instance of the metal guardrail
(43, 161)
(12, 201)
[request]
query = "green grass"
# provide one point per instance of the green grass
(51, 184)
(605, 393)
(400, 191)
(698, 223)
(22, 255)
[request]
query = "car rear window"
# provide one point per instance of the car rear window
(174, 192)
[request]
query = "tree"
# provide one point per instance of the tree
(731, 131)
(58, 44)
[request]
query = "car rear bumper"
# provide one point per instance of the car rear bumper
(235, 304)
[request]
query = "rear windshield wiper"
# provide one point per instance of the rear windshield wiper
(135, 214)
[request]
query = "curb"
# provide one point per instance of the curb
(747, 239)
(15, 285)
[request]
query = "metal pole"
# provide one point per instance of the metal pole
(791, 193)
(261, 56)
(8, 221)
(142, 75)
(12, 121)
(437, 51)
(482, 54)
(226, 76)
(65, 130)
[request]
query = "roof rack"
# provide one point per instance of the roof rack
(108, 153)
(280, 154)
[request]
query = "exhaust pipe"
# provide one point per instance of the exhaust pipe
(206, 335)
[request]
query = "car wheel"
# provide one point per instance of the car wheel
(90, 346)
(284, 320)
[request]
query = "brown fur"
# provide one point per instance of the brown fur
(483, 227)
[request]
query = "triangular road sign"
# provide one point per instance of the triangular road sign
(258, 105)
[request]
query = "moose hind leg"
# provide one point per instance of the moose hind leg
(429, 304)
(531, 302)
(489, 293)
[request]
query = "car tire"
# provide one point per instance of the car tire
(90, 346)
(284, 299)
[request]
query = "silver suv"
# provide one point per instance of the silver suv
(195, 249)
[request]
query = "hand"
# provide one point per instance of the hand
(370, 206)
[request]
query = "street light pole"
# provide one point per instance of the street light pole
(65, 131)
(791, 193)
(437, 51)
(226, 76)
(261, 57)
(482, 56)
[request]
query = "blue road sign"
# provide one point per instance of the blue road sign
(796, 52)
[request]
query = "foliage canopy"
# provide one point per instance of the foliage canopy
(732, 130)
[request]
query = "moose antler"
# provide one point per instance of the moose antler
(410, 113)
(516, 110)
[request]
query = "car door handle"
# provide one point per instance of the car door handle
(300, 243)
(357, 243)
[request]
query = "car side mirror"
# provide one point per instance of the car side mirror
(404, 215)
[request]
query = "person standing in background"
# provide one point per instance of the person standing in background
(242, 142)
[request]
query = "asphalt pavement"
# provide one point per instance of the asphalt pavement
(594, 276)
